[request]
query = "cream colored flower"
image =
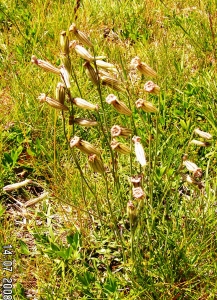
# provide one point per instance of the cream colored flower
(91, 73)
(80, 35)
(199, 143)
(81, 103)
(138, 192)
(117, 130)
(139, 151)
(192, 167)
(84, 146)
(120, 147)
(146, 106)
(45, 65)
(65, 76)
(85, 122)
(151, 87)
(142, 67)
(52, 102)
(118, 105)
(96, 163)
(203, 134)
(112, 83)
(81, 51)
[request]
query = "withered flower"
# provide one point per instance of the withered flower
(136, 180)
(16, 186)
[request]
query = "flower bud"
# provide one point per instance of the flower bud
(118, 105)
(85, 122)
(96, 163)
(52, 102)
(60, 92)
(192, 167)
(84, 146)
(200, 143)
(80, 36)
(139, 151)
(203, 134)
(120, 147)
(142, 67)
(120, 131)
(81, 51)
(146, 106)
(45, 65)
(65, 76)
(112, 83)
(66, 61)
(16, 186)
(107, 66)
(132, 212)
(81, 103)
(151, 87)
(64, 43)
(91, 73)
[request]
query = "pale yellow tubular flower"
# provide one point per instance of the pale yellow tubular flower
(85, 122)
(146, 106)
(81, 103)
(107, 66)
(16, 186)
(199, 143)
(91, 73)
(80, 35)
(118, 105)
(120, 147)
(96, 163)
(64, 43)
(117, 130)
(192, 167)
(138, 193)
(203, 134)
(52, 102)
(139, 151)
(142, 67)
(112, 83)
(60, 92)
(45, 65)
(84, 146)
(152, 88)
(65, 76)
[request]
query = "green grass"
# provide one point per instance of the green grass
(80, 242)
